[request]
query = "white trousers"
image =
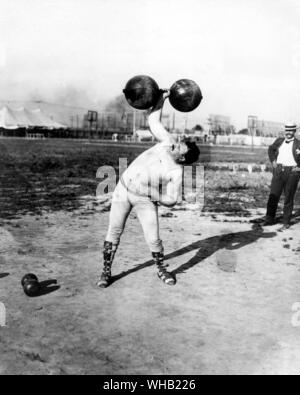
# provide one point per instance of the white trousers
(147, 212)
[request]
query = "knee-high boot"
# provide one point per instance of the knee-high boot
(162, 273)
(108, 257)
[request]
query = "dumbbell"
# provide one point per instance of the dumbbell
(142, 92)
(31, 285)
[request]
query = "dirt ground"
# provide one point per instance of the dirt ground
(229, 313)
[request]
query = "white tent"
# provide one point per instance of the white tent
(24, 118)
(7, 119)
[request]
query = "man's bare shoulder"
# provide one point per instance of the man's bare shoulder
(159, 148)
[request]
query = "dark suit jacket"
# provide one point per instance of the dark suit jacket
(274, 150)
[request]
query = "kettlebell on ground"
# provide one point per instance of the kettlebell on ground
(31, 285)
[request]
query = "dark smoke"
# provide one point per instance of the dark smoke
(73, 97)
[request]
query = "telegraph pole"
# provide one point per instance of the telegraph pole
(173, 122)
(134, 120)
(185, 122)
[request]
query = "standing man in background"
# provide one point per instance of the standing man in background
(285, 157)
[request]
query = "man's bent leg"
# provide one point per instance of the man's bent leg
(109, 251)
(162, 273)
(277, 187)
(290, 192)
(119, 212)
(147, 213)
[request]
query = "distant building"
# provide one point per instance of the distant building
(264, 128)
(219, 124)
(270, 129)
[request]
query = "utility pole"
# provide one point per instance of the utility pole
(185, 122)
(252, 125)
(185, 125)
(173, 122)
(133, 126)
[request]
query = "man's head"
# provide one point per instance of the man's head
(185, 152)
(290, 130)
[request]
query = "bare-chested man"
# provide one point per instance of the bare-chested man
(152, 179)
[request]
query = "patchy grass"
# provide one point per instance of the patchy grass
(235, 193)
(52, 174)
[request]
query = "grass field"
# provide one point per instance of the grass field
(52, 174)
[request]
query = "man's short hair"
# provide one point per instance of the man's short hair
(193, 153)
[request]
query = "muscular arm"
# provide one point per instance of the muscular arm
(171, 193)
(154, 120)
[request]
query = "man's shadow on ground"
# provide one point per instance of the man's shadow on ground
(206, 248)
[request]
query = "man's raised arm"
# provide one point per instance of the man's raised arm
(154, 119)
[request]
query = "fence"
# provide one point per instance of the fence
(239, 139)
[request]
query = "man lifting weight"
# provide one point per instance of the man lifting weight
(154, 178)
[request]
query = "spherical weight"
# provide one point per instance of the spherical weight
(28, 277)
(185, 95)
(32, 288)
(141, 92)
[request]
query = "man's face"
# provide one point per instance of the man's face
(178, 151)
(290, 134)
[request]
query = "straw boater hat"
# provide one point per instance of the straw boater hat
(290, 127)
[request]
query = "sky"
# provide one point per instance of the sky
(244, 54)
